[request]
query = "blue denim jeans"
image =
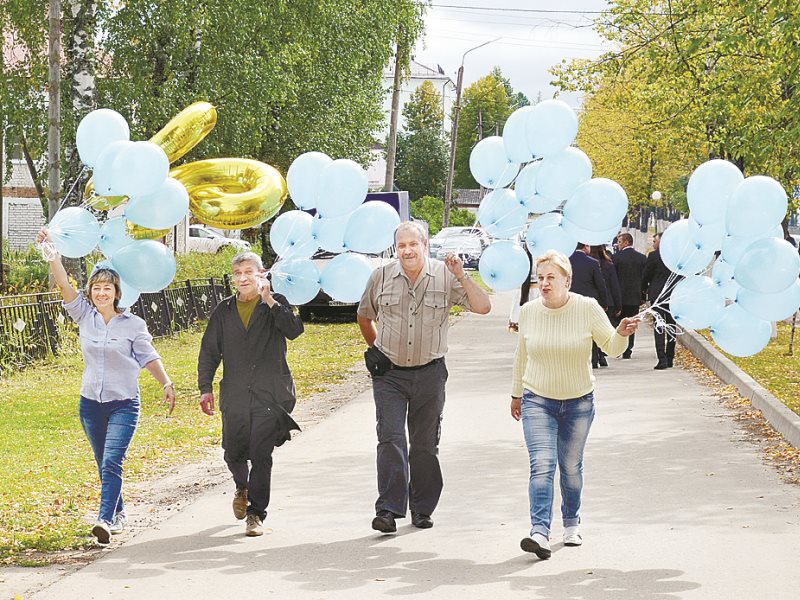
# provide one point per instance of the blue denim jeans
(555, 433)
(109, 426)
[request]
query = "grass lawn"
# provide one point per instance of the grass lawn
(773, 368)
(48, 479)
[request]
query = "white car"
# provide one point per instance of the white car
(203, 239)
(436, 242)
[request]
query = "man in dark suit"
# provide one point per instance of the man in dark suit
(630, 266)
(658, 282)
(587, 280)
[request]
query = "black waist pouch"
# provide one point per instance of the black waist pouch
(377, 362)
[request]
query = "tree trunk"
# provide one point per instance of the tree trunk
(32, 169)
(54, 109)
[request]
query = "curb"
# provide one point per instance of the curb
(778, 414)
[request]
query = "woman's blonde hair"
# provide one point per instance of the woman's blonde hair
(557, 260)
(105, 275)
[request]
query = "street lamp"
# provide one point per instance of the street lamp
(448, 190)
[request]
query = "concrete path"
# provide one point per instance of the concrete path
(676, 505)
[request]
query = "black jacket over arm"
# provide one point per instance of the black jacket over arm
(256, 370)
(587, 278)
(655, 276)
(630, 267)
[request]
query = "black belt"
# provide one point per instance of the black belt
(415, 367)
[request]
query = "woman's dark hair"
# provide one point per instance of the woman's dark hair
(599, 252)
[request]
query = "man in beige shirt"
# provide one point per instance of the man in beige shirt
(410, 298)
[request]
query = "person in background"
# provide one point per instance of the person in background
(410, 298)
(658, 282)
(630, 266)
(248, 332)
(552, 392)
(116, 346)
(587, 280)
(612, 286)
(526, 292)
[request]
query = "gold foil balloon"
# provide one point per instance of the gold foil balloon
(186, 129)
(232, 193)
(101, 202)
(138, 232)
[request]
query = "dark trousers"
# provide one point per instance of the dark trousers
(409, 478)
(665, 341)
(257, 477)
(628, 310)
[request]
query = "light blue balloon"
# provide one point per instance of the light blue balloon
(546, 220)
(292, 235)
(710, 190)
(768, 266)
(129, 294)
(757, 205)
(297, 279)
(696, 302)
(590, 237)
(163, 209)
(597, 205)
(345, 277)
(139, 170)
(489, 164)
(551, 128)
(504, 266)
(771, 307)
(722, 276)
(370, 228)
(74, 231)
(329, 233)
(501, 214)
(113, 236)
(560, 174)
(525, 187)
(739, 333)
(303, 177)
(96, 131)
(103, 173)
(515, 137)
(553, 237)
(680, 253)
(709, 236)
(342, 187)
(733, 247)
(146, 265)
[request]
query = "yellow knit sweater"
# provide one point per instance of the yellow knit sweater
(554, 351)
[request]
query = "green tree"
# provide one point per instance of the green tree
(421, 150)
(515, 99)
(485, 108)
(430, 209)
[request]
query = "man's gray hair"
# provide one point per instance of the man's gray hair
(246, 257)
(414, 227)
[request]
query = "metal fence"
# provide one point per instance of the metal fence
(32, 326)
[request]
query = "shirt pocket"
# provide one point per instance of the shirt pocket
(434, 308)
(389, 307)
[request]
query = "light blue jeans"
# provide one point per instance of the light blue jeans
(555, 433)
(109, 426)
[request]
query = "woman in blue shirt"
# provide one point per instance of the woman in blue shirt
(116, 346)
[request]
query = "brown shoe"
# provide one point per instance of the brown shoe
(253, 527)
(240, 503)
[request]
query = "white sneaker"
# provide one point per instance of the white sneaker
(102, 532)
(572, 536)
(538, 544)
(253, 527)
(119, 522)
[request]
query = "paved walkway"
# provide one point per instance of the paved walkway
(676, 505)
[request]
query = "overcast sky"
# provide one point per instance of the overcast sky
(536, 34)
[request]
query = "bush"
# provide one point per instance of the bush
(430, 209)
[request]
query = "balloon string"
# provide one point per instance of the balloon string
(285, 276)
(48, 250)
(71, 189)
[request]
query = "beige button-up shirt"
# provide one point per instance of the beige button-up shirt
(412, 319)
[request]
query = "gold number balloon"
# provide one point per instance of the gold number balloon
(232, 193)
(138, 232)
(186, 129)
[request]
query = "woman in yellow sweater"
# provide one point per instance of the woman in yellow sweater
(552, 392)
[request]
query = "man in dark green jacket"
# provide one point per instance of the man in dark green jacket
(249, 332)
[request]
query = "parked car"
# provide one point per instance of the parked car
(435, 243)
(203, 239)
(468, 248)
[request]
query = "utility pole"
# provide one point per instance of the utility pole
(401, 55)
(54, 109)
(448, 188)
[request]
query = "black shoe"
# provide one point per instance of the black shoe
(602, 361)
(594, 365)
(626, 355)
(669, 363)
(384, 522)
(421, 521)
(662, 364)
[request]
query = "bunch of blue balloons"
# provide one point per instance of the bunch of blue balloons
(556, 175)
(344, 224)
(754, 279)
(139, 171)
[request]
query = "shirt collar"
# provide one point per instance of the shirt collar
(396, 269)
